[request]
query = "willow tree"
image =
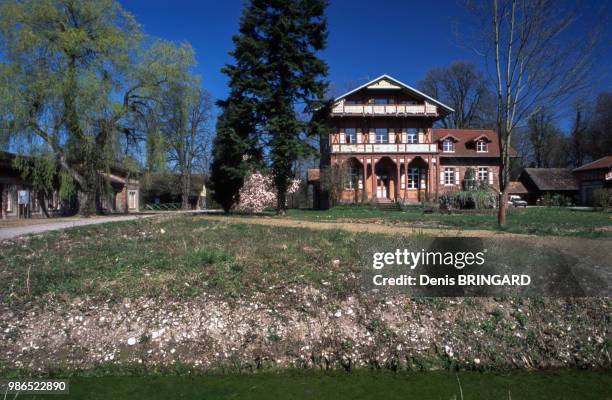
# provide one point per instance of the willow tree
(75, 74)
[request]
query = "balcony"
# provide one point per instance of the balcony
(366, 148)
(385, 110)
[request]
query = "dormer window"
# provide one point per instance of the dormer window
(448, 146)
(350, 135)
(481, 146)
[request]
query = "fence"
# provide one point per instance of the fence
(163, 207)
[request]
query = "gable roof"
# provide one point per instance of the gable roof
(399, 83)
(465, 144)
(602, 163)
(553, 179)
(517, 187)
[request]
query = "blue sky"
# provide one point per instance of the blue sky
(366, 38)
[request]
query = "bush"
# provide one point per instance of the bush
(603, 198)
(469, 200)
(556, 200)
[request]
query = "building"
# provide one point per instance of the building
(593, 176)
(383, 146)
(20, 199)
(548, 182)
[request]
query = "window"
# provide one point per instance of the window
(483, 174)
(132, 199)
(413, 178)
(352, 180)
(412, 136)
(449, 176)
(382, 135)
(351, 135)
(481, 146)
(381, 100)
(9, 200)
(350, 102)
(448, 146)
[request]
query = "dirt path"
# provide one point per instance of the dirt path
(593, 249)
(52, 225)
(364, 227)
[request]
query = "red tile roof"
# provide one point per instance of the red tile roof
(602, 163)
(465, 145)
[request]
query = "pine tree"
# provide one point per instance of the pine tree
(234, 150)
(278, 71)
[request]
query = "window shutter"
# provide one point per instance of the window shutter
(490, 177)
(442, 177)
(456, 175)
(342, 136)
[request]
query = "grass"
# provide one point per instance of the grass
(562, 384)
(538, 221)
(185, 256)
(172, 257)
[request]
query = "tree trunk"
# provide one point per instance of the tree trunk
(503, 207)
(281, 202)
(185, 186)
(86, 202)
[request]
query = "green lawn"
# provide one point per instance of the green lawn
(175, 257)
(562, 384)
(539, 221)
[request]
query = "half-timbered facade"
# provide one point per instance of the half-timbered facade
(386, 148)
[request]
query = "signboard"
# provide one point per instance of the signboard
(23, 197)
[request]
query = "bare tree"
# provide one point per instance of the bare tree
(536, 62)
(600, 128)
(187, 132)
(549, 147)
(578, 136)
(465, 89)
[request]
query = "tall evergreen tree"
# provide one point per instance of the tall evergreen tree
(277, 69)
(234, 149)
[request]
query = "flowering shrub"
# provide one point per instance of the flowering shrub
(259, 193)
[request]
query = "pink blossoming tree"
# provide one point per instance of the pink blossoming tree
(259, 193)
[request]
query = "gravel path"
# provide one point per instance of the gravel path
(11, 232)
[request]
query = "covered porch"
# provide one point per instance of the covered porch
(386, 179)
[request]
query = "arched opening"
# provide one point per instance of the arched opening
(353, 180)
(386, 179)
(416, 179)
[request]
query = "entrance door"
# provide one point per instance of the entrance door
(382, 186)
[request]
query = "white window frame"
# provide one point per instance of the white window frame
(350, 138)
(449, 176)
(9, 200)
(448, 146)
(414, 178)
(132, 199)
(353, 178)
(483, 144)
(380, 137)
(484, 177)
(412, 136)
